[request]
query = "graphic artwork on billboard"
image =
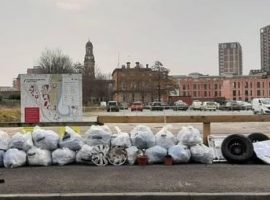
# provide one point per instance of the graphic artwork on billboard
(58, 96)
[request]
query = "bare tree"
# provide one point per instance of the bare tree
(55, 62)
(162, 82)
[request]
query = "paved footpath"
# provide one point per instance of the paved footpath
(182, 179)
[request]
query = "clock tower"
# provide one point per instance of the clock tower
(89, 60)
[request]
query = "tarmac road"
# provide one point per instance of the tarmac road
(216, 178)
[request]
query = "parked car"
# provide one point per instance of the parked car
(147, 106)
(180, 105)
(245, 105)
(123, 106)
(156, 106)
(137, 106)
(196, 105)
(261, 105)
(209, 105)
(112, 106)
(165, 106)
(231, 105)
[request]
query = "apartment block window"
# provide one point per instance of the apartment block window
(219, 93)
(250, 92)
(246, 84)
(238, 84)
(205, 86)
(216, 93)
(216, 86)
(234, 84)
(250, 84)
(263, 84)
(258, 93)
(205, 93)
(194, 93)
(194, 86)
(184, 87)
(246, 92)
(258, 84)
(234, 92)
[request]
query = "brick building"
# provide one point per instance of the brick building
(205, 87)
(140, 84)
(230, 58)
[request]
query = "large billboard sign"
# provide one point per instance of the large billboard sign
(51, 97)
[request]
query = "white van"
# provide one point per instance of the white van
(196, 105)
(261, 105)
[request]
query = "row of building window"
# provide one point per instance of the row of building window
(249, 93)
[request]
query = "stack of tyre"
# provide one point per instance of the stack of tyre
(238, 148)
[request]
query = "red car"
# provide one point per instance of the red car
(137, 106)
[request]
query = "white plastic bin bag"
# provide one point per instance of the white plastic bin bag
(189, 136)
(39, 157)
(71, 140)
(142, 137)
(179, 153)
(2, 152)
(97, 135)
(45, 139)
(14, 158)
(84, 155)
(4, 140)
(132, 154)
(121, 139)
(201, 153)
(165, 138)
(63, 156)
(156, 154)
(21, 141)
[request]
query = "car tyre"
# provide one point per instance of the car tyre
(237, 149)
(257, 137)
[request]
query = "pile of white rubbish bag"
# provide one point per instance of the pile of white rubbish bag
(100, 146)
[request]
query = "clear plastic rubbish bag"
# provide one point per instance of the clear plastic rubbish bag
(97, 135)
(156, 154)
(39, 157)
(121, 139)
(179, 153)
(2, 152)
(63, 156)
(132, 154)
(14, 158)
(189, 136)
(4, 140)
(45, 139)
(201, 153)
(71, 140)
(84, 155)
(142, 137)
(165, 138)
(21, 141)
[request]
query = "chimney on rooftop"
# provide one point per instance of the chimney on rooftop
(137, 64)
(128, 65)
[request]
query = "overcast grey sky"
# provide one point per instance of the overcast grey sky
(182, 34)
